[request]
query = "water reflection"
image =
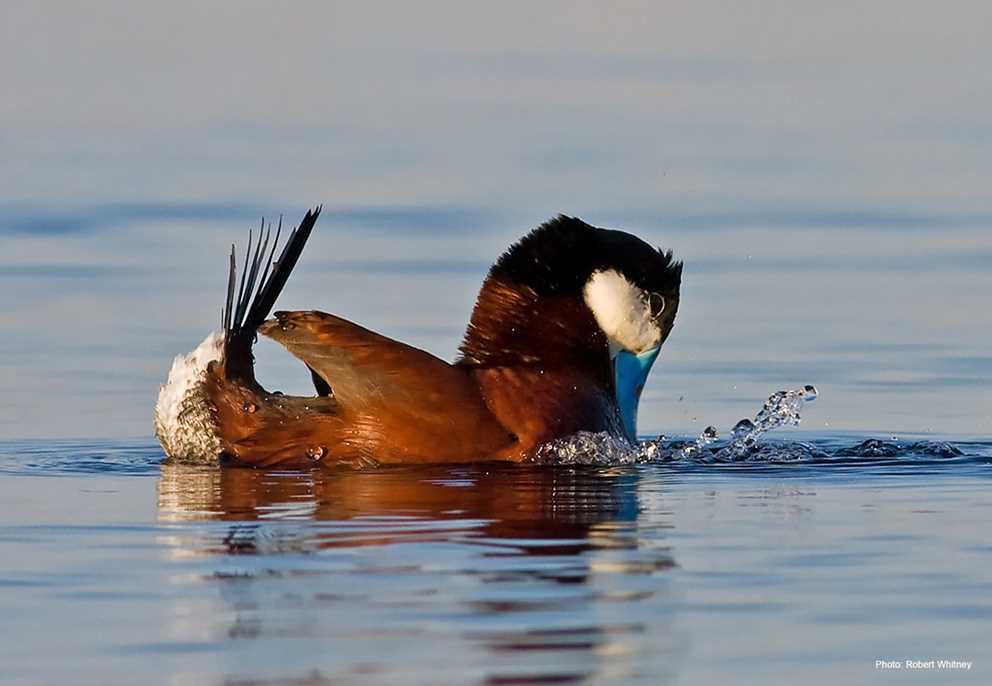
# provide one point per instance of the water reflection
(501, 574)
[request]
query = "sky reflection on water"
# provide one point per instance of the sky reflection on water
(488, 573)
(824, 179)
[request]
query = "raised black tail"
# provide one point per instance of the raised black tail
(240, 319)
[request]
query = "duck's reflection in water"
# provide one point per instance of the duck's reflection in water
(496, 573)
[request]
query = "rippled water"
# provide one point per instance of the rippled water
(116, 568)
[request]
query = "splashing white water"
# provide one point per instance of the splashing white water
(783, 408)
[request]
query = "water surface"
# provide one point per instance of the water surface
(822, 170)
(116, 568)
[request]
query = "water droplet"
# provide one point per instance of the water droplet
(782, 408)
(250, 408)
(316, 452)
(742, 428)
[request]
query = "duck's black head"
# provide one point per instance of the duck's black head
(559, 256)
(571, 293)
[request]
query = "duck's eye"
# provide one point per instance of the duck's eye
(656, 303)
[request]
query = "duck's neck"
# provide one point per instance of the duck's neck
(512, 325)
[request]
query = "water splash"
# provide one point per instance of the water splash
(587, 448)
(694, 448)
(783, 408)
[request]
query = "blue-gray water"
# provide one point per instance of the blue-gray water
(823, 170)
(118, 570)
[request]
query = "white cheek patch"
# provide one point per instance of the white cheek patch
(622, 311)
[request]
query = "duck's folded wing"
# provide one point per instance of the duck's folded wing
(387, 385)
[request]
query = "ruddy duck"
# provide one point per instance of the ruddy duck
(564, 332)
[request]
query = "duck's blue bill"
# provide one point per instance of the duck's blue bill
(630, 371)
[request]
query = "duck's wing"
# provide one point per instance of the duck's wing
(390, 391)
(364, 368)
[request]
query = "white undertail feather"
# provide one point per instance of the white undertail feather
(184, 423)
(622, 311)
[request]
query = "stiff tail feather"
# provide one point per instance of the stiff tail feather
(184, 419)
(241, 317)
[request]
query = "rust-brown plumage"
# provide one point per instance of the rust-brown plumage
(534, 366)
